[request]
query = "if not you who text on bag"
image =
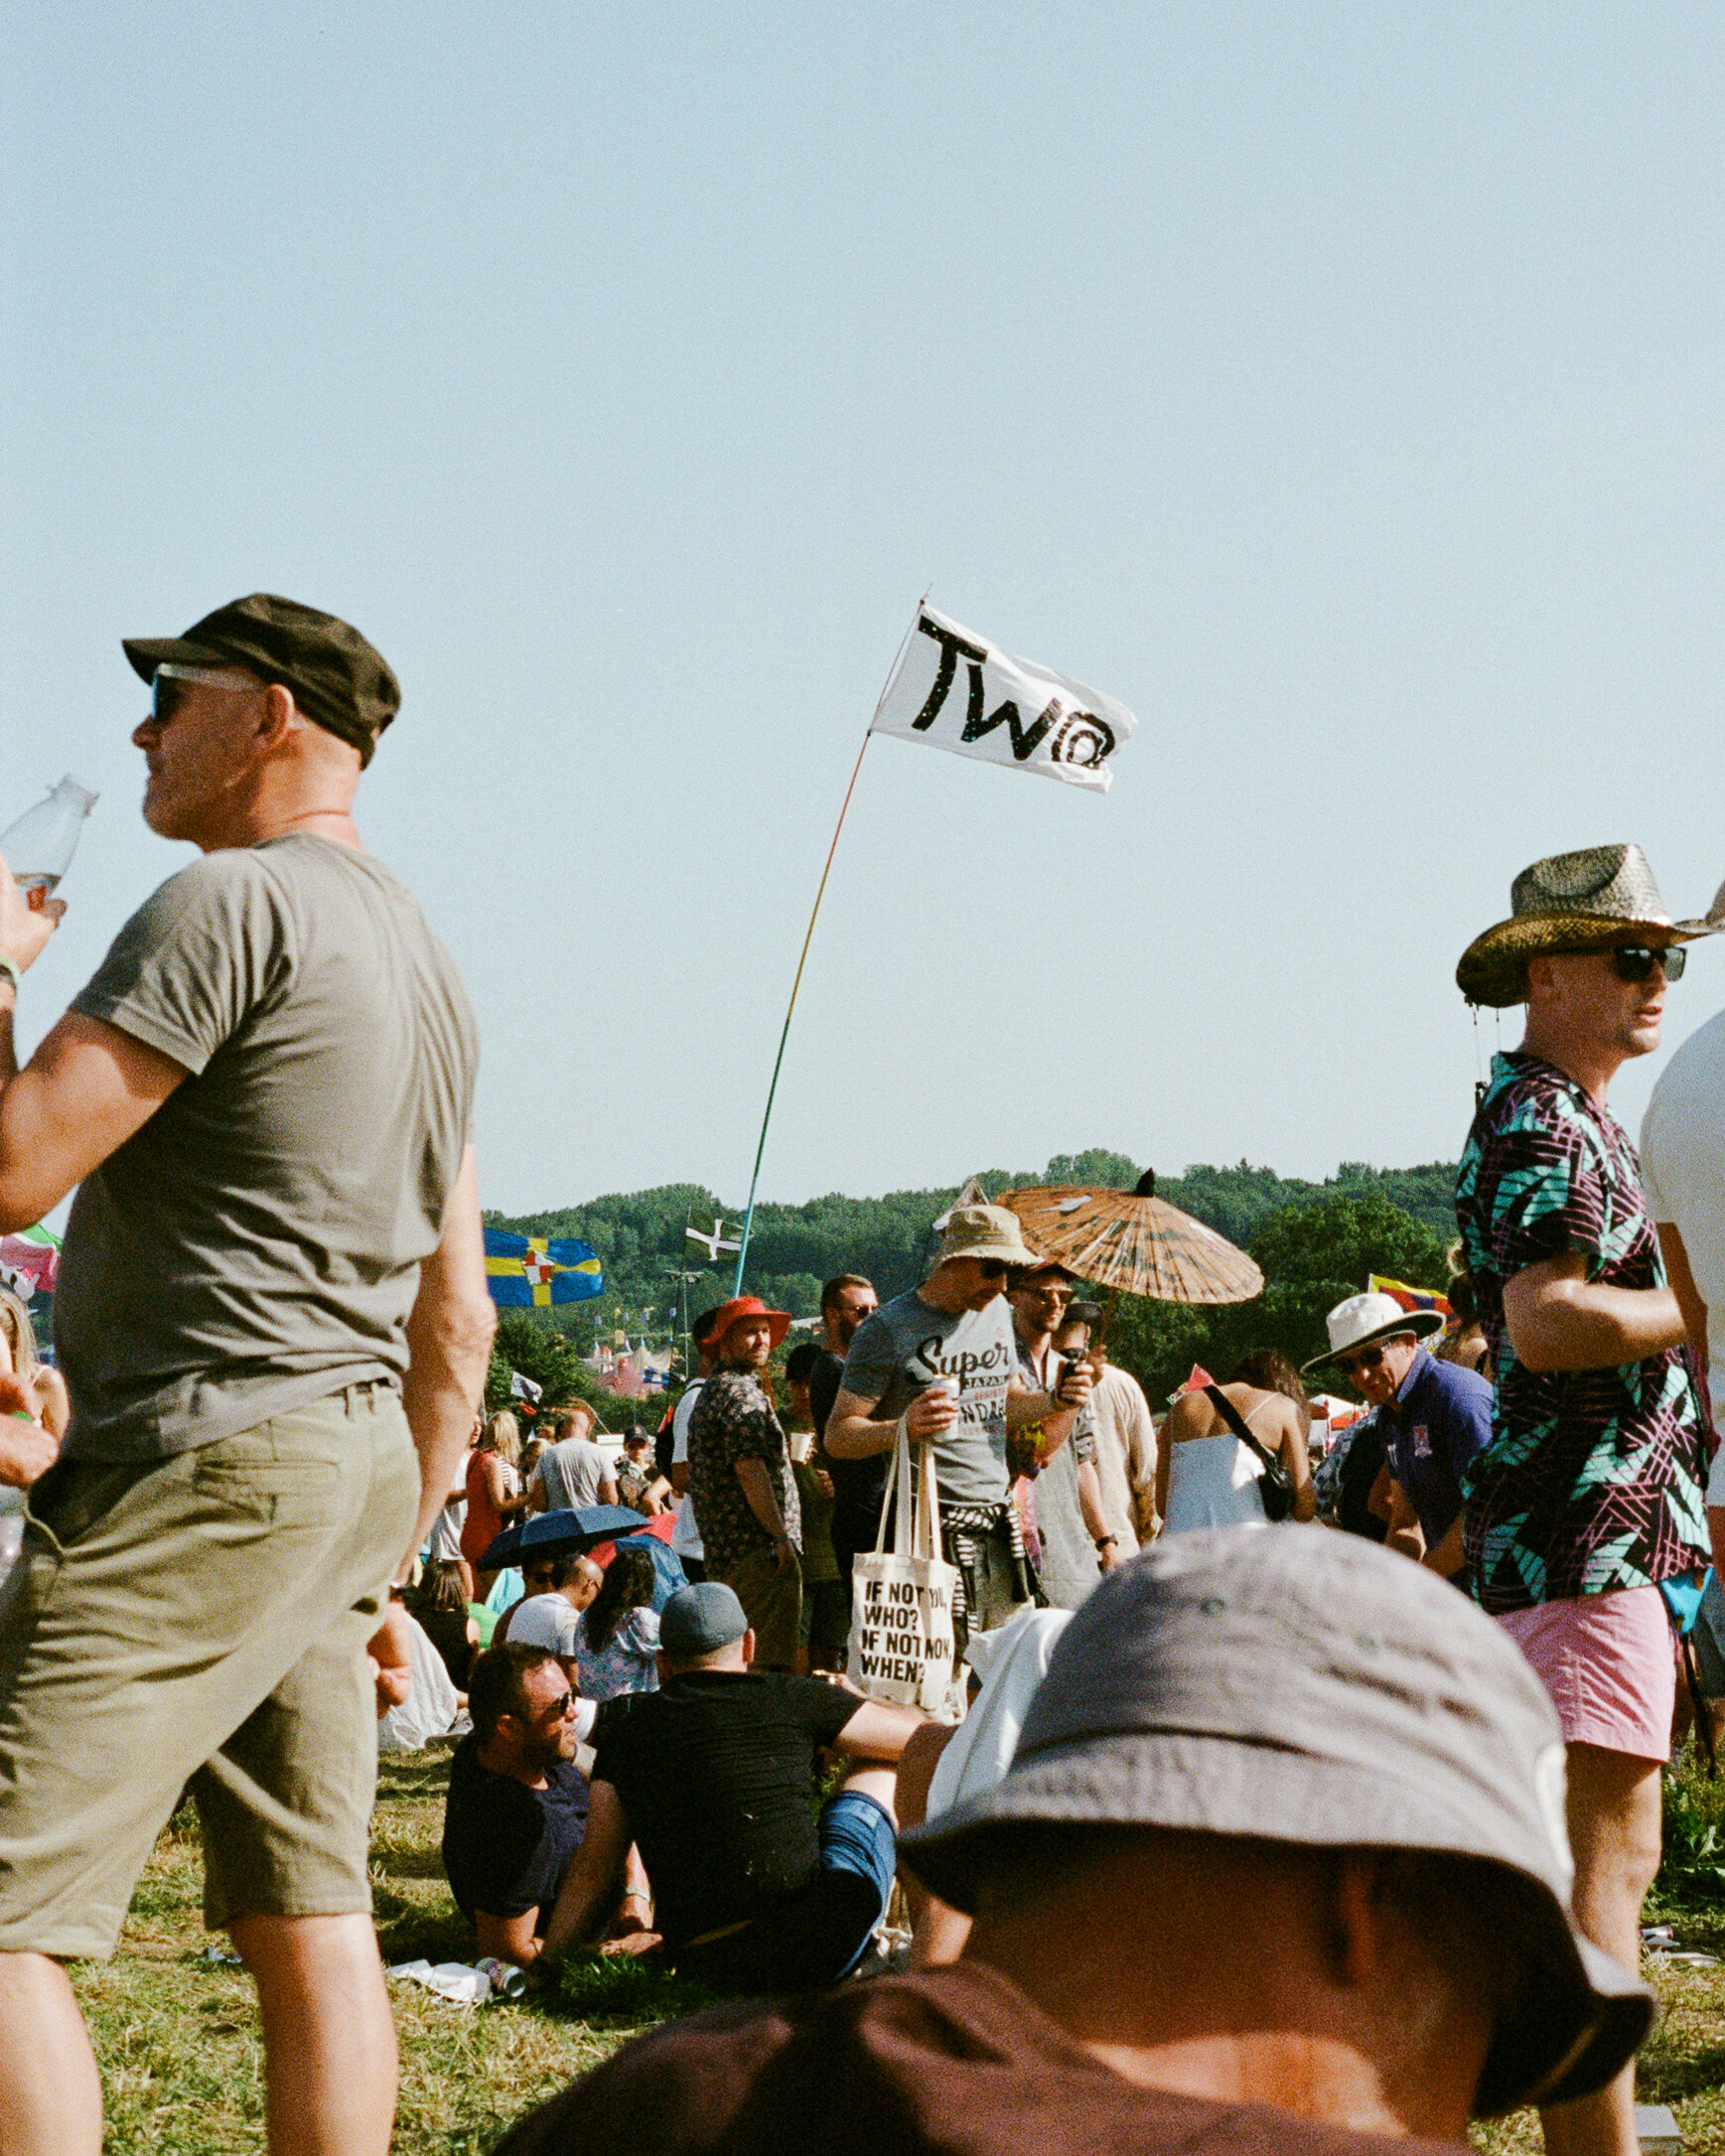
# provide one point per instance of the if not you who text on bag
(934, 1381)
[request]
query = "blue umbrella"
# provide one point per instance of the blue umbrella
(559, 1534)
(667, 1571)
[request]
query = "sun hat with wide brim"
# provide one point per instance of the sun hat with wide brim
(747, 1306)
(1365, 1317)
(1586, 901)
(1399, 1717)
(990, 1232)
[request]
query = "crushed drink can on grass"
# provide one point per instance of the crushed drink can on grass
(462, 1983)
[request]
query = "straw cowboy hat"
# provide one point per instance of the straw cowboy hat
(1365, 1317)
(1586, 901)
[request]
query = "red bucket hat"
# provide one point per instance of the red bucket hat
(747, 1306)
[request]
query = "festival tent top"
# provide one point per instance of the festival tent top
(1136, 1242)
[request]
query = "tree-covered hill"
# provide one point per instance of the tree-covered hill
(1316, 1241)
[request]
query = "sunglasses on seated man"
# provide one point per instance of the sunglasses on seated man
(1635, 962)
(555, 1710)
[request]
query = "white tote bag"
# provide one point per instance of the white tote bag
(901, 1627)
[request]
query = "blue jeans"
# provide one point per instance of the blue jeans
(810, 1939)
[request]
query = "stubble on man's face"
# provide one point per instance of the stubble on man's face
(749, 1344)
(549, 1737)
(1612, 1015)
(852, 1307)
(1038, 1303)
(195, 759)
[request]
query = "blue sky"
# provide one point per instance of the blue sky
(1336, 387)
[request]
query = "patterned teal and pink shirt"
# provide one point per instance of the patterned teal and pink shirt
(1593, 1479)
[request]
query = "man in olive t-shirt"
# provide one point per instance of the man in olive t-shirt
(274, 1325)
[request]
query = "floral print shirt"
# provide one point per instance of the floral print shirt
(1593, 1479)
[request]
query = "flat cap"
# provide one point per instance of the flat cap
(339, 680)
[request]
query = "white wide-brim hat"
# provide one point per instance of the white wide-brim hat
(1364, 1317)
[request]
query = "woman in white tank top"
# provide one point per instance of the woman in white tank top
(1206, 1478)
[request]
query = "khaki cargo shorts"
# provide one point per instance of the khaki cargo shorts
(199, 1619)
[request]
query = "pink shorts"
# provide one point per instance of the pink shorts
(1610, 1665)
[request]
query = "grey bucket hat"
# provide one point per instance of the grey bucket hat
(1309, 1687)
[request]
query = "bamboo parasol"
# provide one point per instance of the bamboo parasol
(1136, 1242)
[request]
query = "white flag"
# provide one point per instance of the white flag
(524, 1388)
(956, 691)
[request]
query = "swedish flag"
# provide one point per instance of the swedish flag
(526, 1271)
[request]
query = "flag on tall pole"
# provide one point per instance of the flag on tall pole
(954, 690)
(525, 1272)
(1004, 710)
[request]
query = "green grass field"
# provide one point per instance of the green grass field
(177, 2037)
(181, 2062)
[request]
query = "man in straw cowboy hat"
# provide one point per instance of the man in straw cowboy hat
(1589, 1494)
(1436, 1419)
(942, 1359)
(1278, 1866)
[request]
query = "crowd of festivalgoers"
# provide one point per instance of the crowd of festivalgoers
(1296, 1802)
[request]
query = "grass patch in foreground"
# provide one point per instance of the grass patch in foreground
(176, 2035)
(183, 2069)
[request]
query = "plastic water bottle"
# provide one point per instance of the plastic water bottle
(39, 847)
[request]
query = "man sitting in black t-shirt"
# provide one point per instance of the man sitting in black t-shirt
(713, 1776)
(517, 1801)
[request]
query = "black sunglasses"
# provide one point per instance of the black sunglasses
(562, 1707)
(992, 1269)
(170, 685)
(1636, 961)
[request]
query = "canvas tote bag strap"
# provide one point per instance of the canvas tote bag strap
(896, 1499)
(929, 1506)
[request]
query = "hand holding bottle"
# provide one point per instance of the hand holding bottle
(25, 928)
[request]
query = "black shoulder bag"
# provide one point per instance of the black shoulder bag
(1275, 1483)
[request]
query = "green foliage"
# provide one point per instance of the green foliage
(1312, 1255)
(1362, 1219)
(1692, 1863)
(549, 1358)
(1098, 1169)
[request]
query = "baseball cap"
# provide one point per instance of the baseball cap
(1312, 1688)
(700, 1620)
(338, 679)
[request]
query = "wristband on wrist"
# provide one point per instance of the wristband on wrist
(1107, 1541)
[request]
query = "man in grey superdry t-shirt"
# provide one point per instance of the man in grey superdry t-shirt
(273, 1321)
(943, 1361)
